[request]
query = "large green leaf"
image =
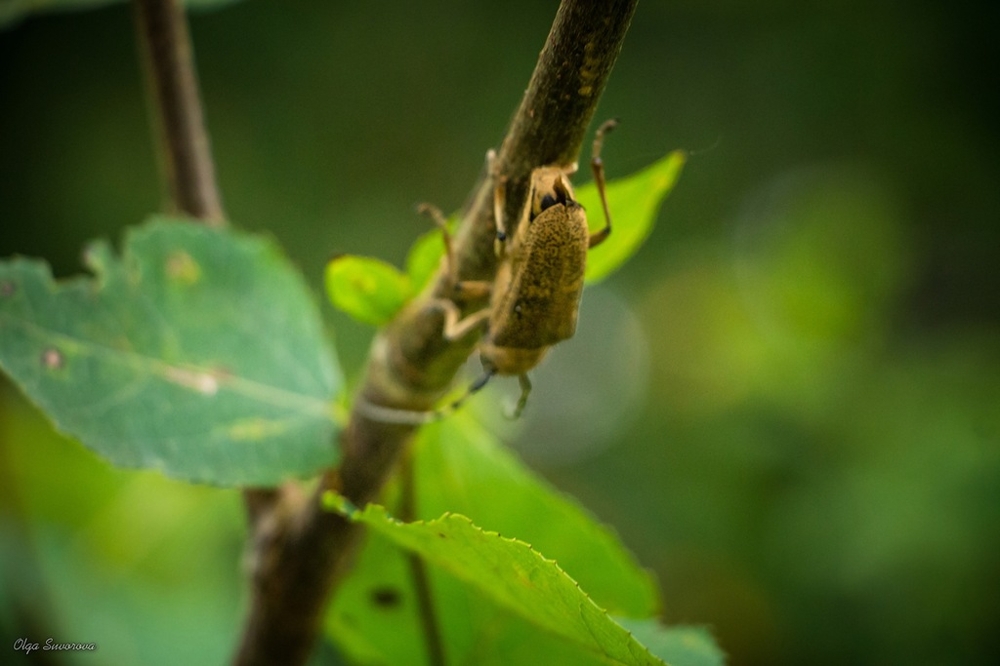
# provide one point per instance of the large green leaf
(461, 467)
(375, 619)
(514, 576)
(12, 11)
(200, 352)
(634, 202)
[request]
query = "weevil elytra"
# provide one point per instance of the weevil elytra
(535, 297)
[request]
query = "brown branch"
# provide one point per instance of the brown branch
(297, 562)
(178, 117)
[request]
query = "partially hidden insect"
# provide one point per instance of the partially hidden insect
(535, 296)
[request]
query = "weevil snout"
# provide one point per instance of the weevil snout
(558, 195)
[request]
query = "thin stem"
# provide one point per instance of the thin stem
(411, 364)
(418, 569)
(173, 84)
(188, 168)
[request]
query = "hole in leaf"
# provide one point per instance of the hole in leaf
(386, 597)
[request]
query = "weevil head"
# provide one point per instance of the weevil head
(549, 187)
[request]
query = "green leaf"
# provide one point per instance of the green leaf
(200, 353)
(368, 289)
(513, 575)
(12, 11)
(462, 467)
(373, 291)
(678, 646)
(375, 618)
(634, 202)
(424, 258)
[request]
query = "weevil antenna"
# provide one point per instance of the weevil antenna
(474, 388)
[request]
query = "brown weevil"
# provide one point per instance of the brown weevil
(535, 297)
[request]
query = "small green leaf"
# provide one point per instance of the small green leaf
(424, 258)
(199, 352)
(514, 576)
(368, 289)
(678, 645)
(634, 202)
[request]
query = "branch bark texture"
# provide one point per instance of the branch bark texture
(299, 549)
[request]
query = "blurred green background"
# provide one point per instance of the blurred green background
(788, 403)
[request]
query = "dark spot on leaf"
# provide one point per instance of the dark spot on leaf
(386, 597)
(7, 289)
(53, 359)
(442, 535)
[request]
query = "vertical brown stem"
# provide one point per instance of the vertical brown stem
(186, 153)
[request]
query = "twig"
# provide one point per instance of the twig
(184, 146)
(410, 364)
(418, 568)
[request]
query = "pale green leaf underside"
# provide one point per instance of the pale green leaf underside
(514, 576)
(676, 645)
(199, 352)
(634, 203)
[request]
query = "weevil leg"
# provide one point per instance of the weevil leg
(499, 204)
(454, 327)
(470, 289)
(433, 212)
(523, 399)
(597, 166)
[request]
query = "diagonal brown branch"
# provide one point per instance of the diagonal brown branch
(300, 551)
